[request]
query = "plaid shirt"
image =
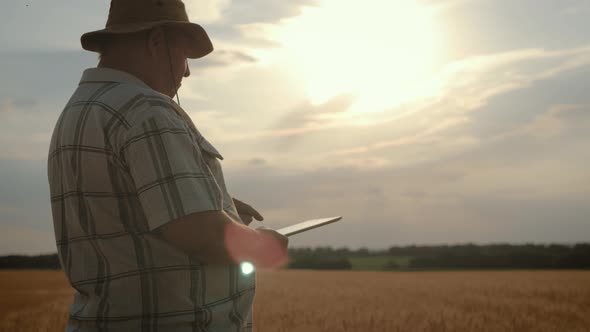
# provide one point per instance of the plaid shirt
(124, 160)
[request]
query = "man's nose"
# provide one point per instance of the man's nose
(187, 71)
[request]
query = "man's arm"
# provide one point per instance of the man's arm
(195, 222)
(213, 237)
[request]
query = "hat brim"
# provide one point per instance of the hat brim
(200, 43)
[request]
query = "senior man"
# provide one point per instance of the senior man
(147, 232)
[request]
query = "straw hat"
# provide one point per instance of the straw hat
(126, 16)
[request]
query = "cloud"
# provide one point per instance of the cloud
(257, 162)
(395, 206)
(307, 115)
(440, 5)
(576, 8)
(482, 27)
(425, 131)
(289, 129)
(236, 13)
(264, 11)
(245, 24)
(481, 98)
(23, 240)
(559, 121)
(206, 11)
(427, 136)
(467, 87)
(9, 104)
(222, 58)
(515, 189)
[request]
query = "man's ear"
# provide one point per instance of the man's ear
(155, 41)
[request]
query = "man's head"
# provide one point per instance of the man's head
(158, 56)
(147, 37)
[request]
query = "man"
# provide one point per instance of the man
(147, 233)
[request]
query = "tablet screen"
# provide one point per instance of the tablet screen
(306, 225)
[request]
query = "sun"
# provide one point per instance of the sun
(381, 51)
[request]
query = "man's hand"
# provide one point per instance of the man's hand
(263, 247)
(280, 238)
(247, 212)
(275, 246)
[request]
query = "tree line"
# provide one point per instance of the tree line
(464, 256)
(30, 262)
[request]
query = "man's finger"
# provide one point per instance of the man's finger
(255, 214)
(246, 218)
(247, 209)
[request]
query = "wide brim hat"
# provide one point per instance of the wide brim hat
(128, 16)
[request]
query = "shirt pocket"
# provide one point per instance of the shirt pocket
(208, 159)
(203, 143)
(212, 157)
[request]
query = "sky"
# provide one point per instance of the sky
(417, 121)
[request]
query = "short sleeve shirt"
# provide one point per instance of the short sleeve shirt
(124, 160)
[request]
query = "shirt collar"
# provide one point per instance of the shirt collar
(103, 74)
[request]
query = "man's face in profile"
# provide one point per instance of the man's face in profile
(178, 46)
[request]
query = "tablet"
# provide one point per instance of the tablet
(306, 225)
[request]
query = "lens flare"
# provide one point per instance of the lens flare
(260, 249)
(247, 268)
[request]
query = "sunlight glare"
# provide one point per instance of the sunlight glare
(381, 51)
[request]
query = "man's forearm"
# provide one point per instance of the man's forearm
(242, 244)
(232, 237)
(213, 237)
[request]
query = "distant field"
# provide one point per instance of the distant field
(313, 301)
(33, 300)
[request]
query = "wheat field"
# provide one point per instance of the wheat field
(313, 301)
